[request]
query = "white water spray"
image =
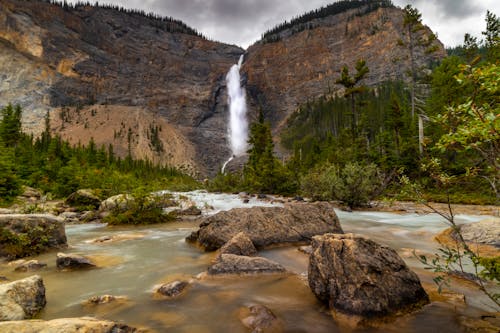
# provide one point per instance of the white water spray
(238, 124)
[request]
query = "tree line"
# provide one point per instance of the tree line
(302, 22)
(53, 165)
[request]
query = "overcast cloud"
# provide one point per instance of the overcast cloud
(242, 22)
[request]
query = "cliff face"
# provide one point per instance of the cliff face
(103, 73)
(304, 65)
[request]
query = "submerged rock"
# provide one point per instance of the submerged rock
(67, 325)
(104, 299)
(173, 289)
(27, 266)
(259, 318)
(295, 222)
(360, 278)
(240, 245)
(73, 261)
(25, 235)
(21, 299)
(234, 264)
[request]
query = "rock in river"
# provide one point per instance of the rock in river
(240, 245)
(295, 222)
(23, 235)
(67, 325)
(173, 289)
(21, 299)
(234, 264)
(360, 278)
(73, 261)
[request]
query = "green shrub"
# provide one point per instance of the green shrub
(143, 209)
(18, 245)
(354, 184)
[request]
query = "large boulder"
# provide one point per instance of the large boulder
(68, 325)
(25, 235)
(73, 261)
(360, 278)
(83, 198)
(295, 222)
(21, 299)
(234, 264)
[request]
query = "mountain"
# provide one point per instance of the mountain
(155, 88)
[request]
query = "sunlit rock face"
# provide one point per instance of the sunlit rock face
(103, 72)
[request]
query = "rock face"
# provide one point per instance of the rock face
(357, 277)
(240, 245)
(73, 261)
(295, 222)
(83, 198)
(21, 299)
(111, 75)
(234, 264)
(69, 325)
(40, 233)
(484, 232)
(299, 66)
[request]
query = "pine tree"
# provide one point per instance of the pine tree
(352, 89)
(10, 125)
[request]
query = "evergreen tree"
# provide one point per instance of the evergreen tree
(352, 89)
(10, 125)
(492, 37)
(263, 171)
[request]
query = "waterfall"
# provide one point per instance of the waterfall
(238, 124)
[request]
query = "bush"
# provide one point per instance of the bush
(143, 209)
(354, 184)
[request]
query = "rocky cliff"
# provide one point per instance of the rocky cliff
(157, 88)
(298, 66)
(135, 71)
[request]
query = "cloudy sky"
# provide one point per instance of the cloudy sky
(242, 22)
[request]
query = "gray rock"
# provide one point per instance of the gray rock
(240, 245)
(234, 264)
(29, 266)
(121, 202)
(82, 198)
(295, 222)
(66, 325)
(483, 232)
(44, 232)
(73, 261)
(173, 289)
(21, 299)
(358, 277)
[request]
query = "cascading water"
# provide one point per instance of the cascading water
(238, 124)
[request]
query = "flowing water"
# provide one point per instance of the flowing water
(148, 256)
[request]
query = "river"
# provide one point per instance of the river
(149, 256)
